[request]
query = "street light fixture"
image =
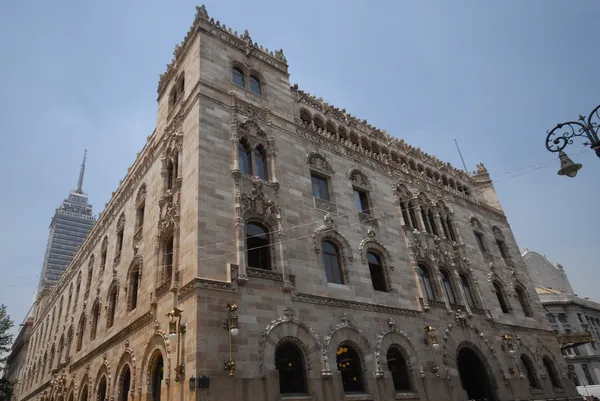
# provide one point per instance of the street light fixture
(562, 135)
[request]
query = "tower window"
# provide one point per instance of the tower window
(237, 76)
(255, 85)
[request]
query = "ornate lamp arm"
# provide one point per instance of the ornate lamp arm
(556, 141)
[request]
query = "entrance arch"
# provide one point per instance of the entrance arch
(474, 375)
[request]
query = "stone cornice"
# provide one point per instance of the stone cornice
(317, 299)
(513, 327)
(117, 337)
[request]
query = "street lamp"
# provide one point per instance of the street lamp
(562, 135)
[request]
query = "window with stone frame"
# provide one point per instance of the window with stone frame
(238, 76)
(501, 243)
(103, 256)
(156, 375)
(177, 91)
(349, 364)
(523, 300)
(289, 362)
(255, 85)
(69, 300)
(167, 257)
(90, 273)
(376, 269)
(80, 332)
(69, 342)
(446, 222)
(448, 287)
(77, 288)
(362, 188)
(332, 261)
(530, 371)
(479, 237)
(427, 215)
(120, 238)
(425, 282)
(320, 187)
(398, 366)
(140, 212)
(95, 319)
(501, 296)
(113, 294)
(466, 286)
(321, 173)
(258, 246)
(260, 160)
(551, 371)
(244, 157)
(133, 281)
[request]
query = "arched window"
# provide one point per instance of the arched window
(350, 365)
(103, 253)
(530, 370)
(69, 342)
(69, 300)
(447, 283)
(90, 273)
(167, 257)
(551, 370)
(237, 76)
(112, 306)
(425, 219)
(500, 295)
(432, 224)
(414, 222)
(258, 246)
(425, 282)
(450, 227)
(125, 384)
(255, 85)
(134, 286)
(260, 158)
(290, 364)
(170, 170)
(466, 286)
(61, 348)
(95, 318)
(77, 288)
(102, 389)
(523, 301)
(156, 378)
(84, 394)
(244, 157)
(377, 273)
(399, 368)
(80, 332)
(305, 117)
(332, 261)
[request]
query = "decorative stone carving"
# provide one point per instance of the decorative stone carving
(359, 179)
(319, 163)
(404, 339)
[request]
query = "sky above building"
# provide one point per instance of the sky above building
(494, 75)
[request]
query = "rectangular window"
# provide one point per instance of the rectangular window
(480, 242)
(362, 201)
(320, 187)
(588, 375)
(120, 240)
(141, 210)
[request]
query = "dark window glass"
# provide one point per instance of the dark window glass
(464, 282)
(404, 208)
(502, 248)
(425, 283)
(257, 247)
(331, 259)
(320, 188)
(500, 295)
(362, 201)
(120, 240)
(168, 258)
(112, 306)
(377, 273)
(261, 164)
(588, 375)
(530, 370)
(156, 379)
(451, 229)
(255, 85)
(549, 365)
(244, 158)
(237, 76)
(432, 224)
(140, 215)
(480, 242)
(170, 170)
(290, 364)
(448, 286)
(349, 364)
(102, 389)
(413, 216)
(125, 384)
(523, 301)
(398, 367)
(133, 290)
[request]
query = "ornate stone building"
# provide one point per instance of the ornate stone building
(575, 320)
(349, 264)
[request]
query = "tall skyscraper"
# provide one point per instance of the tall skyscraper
(69, 227)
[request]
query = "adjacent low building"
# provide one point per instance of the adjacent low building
(576, 320)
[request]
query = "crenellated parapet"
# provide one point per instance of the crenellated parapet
(385, 140)
(243, 41)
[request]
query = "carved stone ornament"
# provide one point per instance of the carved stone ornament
(319, 163)
(256, 204)
(344, 324)
(392, 336)
(359, 179)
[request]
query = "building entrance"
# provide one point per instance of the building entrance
(474, 376)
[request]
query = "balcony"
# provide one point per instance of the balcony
(570, 340)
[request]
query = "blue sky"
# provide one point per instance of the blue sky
(495, 75)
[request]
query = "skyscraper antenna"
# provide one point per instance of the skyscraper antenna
(79, 189)
(461, 157)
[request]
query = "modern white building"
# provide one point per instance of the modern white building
(570, 316)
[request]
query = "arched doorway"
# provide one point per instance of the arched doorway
(474, 375)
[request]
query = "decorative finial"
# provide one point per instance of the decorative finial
(81, 172)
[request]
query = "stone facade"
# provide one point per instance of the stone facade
(15, 361)
(568, 313)
(191, 254)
